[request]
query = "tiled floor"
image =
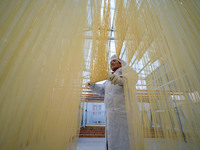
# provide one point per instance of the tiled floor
(91, 144)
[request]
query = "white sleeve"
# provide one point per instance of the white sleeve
(98, 88)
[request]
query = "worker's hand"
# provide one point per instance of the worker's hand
(115, 79)
(88, 84)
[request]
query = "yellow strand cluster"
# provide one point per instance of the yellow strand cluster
(41, 61)
(44, 50)
(100, 42)
(161, 43)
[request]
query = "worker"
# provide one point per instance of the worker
(117, 137)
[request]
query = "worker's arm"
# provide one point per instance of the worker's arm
(97, 88)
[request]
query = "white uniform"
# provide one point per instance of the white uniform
(116, 119)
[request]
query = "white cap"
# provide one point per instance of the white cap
(114, 57)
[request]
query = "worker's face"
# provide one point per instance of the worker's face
(114, 65)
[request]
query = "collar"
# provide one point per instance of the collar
(116, 70)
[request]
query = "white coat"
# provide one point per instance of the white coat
(115, 114)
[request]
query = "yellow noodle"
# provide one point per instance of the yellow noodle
(47, 46)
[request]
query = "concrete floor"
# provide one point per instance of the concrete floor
(91, 144)
(99, 144)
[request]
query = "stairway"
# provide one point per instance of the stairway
(92, 132)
